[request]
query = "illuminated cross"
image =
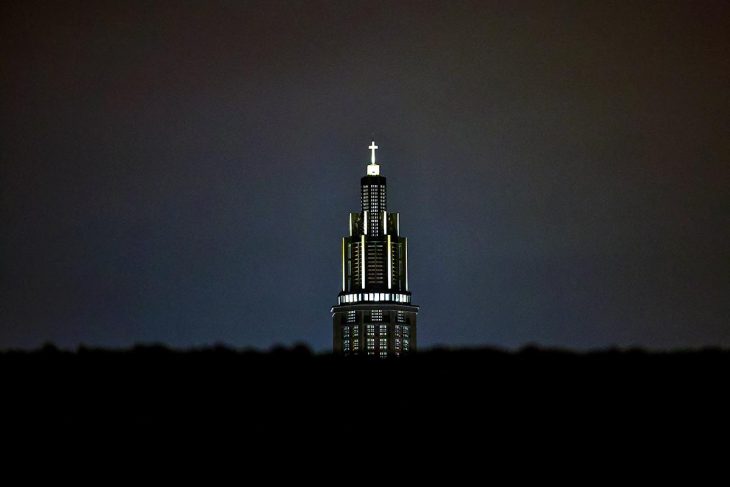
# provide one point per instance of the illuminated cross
(372, 148)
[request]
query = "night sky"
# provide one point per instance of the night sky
(182, 172)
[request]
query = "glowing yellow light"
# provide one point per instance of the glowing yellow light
(390, 264)
(405, 241)
(362, 260)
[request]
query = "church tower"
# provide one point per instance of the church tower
(374, 315)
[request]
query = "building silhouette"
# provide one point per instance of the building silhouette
(374, 315)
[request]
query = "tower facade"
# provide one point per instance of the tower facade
(374, 315)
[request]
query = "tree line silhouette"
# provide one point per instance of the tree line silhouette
(438, 392)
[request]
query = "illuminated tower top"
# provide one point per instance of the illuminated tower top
(374, 290)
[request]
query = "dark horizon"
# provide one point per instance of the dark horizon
(181, 173)
(425, 396)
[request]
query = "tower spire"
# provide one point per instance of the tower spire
(372, 148)
(373, 168)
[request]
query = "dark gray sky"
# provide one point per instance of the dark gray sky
(181, 172)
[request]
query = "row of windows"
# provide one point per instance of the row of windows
(374, 208)
(375, 200)
(375, 263)
(382, 330)
(357, 297)
(382, 347)
(346, 345)
(383, 353)
(400, 332)
(382, 344)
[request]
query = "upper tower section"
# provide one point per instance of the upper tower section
(374, 254)
(373, 197)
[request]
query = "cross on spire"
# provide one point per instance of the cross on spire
(372, 148)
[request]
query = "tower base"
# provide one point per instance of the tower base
(374, 329)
